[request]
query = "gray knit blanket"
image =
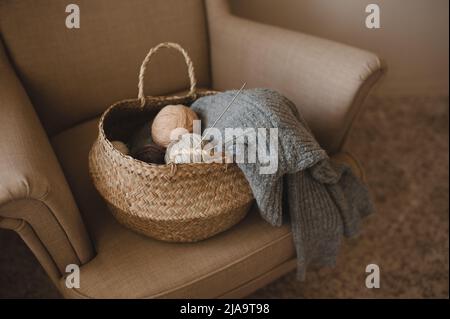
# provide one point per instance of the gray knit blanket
(324, 200)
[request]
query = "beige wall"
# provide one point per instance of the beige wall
(413, 38)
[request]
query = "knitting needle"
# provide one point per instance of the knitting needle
(220, 116)
(228, 106)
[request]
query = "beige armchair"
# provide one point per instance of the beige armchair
(54, 84)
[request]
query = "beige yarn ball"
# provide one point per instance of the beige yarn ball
(121, 147)
(172, 117)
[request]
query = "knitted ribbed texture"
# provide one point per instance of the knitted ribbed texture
(324, 200)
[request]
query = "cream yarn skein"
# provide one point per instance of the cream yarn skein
(170, 118)
(186, 150)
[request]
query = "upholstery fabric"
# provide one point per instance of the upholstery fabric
(145, 268)
(318, 75)
(32, 185)
(73, 74)
(261, 281)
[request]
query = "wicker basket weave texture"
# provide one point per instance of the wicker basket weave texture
(178, 203)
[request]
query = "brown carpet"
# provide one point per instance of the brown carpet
(403, 145)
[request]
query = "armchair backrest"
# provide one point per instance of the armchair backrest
(73, 74)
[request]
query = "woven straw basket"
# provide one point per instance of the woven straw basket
(177, 203)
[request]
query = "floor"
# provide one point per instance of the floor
(403, 144)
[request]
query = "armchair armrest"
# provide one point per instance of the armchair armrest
(328, 81)
(32, 186)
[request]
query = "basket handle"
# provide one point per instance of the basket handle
(150, 53)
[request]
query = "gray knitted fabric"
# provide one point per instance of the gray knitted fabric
(324, 200)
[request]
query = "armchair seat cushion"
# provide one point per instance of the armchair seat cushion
(129, 265)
